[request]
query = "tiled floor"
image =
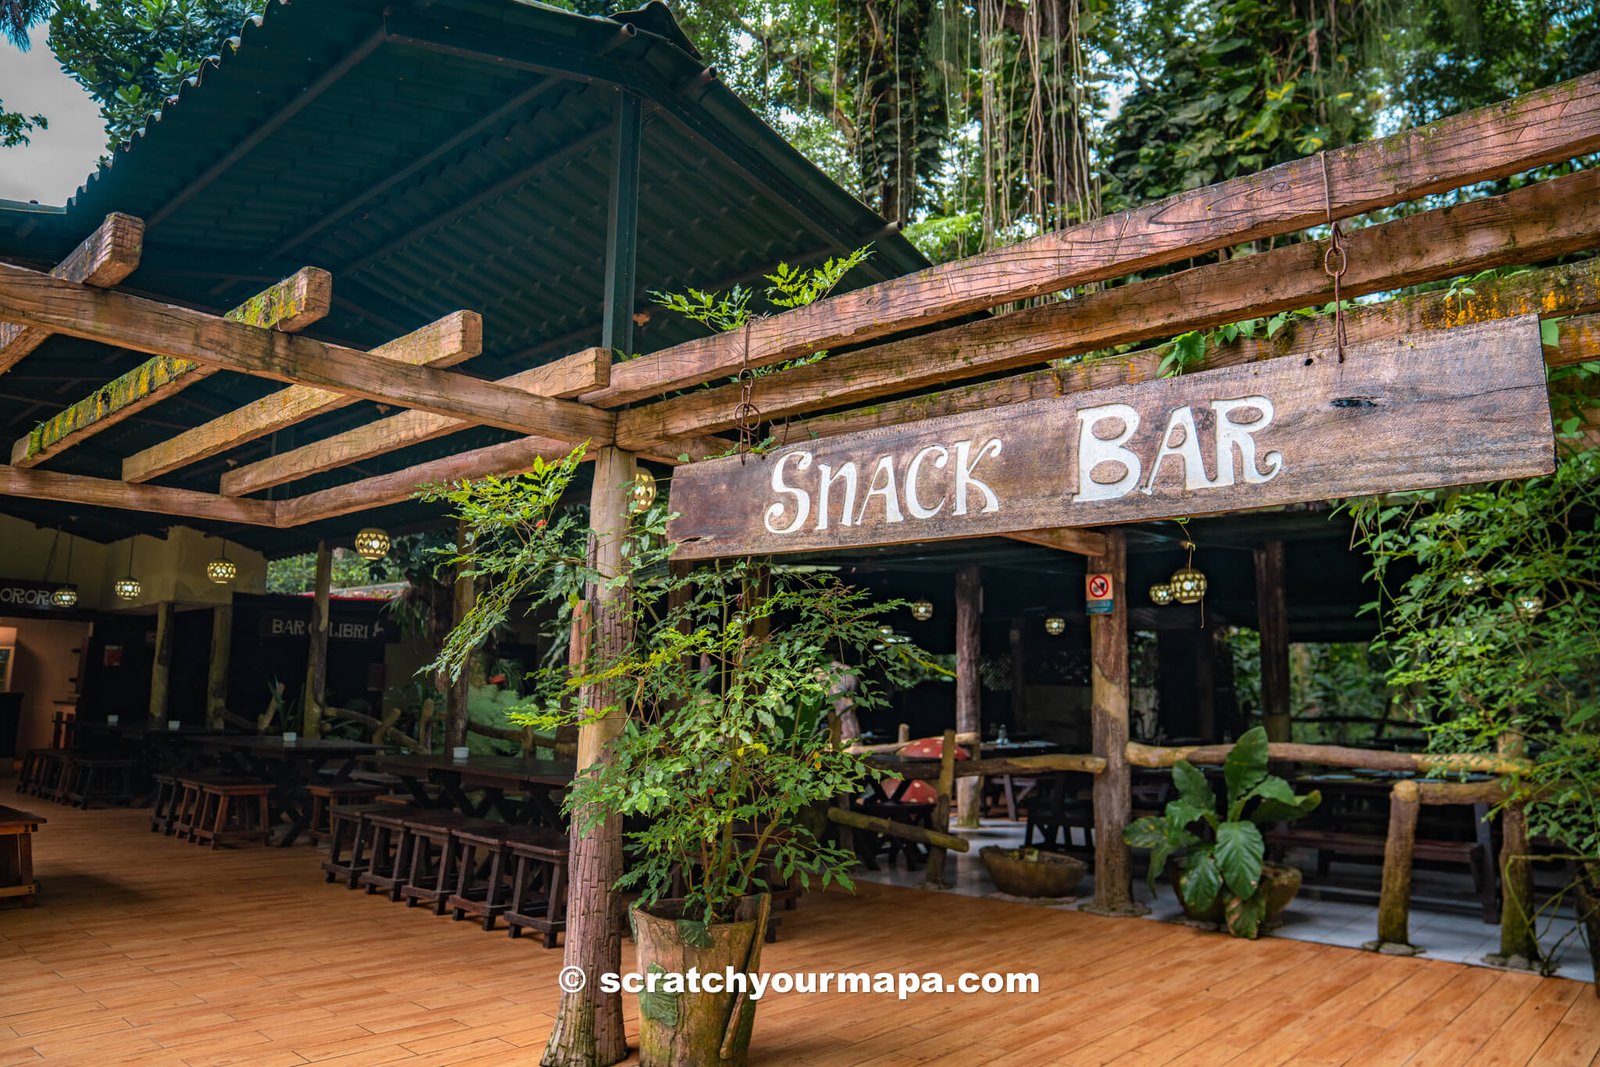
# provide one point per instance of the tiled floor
(1336, 915)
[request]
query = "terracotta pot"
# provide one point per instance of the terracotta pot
(1282, 884)
(1032, 873)
(691, 1029)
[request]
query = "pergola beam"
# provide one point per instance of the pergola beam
(1538, 221)
(451, 340)
(288, 306)
(105, 257)
(157, 500)
(1544, 126)
(1080, 542)
(37, 299)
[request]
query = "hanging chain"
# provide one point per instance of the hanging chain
(746, 416)
(1335, 252)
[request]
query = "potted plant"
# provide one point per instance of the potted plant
(725, 760)
(1225, 877)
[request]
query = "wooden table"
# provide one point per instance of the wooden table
(491, 776)
(157, 747)
(16, 854)
(290, 766)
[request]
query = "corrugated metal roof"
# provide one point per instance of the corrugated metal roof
(435, 157)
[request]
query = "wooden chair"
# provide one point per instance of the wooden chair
(539, 886)
(326, 796)
(233, 811)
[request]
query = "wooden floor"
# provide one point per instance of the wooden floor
(144, 950)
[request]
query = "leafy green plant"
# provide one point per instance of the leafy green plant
(722, 673)
(1224, 852)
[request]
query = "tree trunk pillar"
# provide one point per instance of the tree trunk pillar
(969, 683)
(317, 652)
(1113, 788)
(217, 671)
(161, 663)
(935, 874)
(1394, 899)
(1272, 620)
(455, 702)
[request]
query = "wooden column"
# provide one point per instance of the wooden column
(1113, 788)
(969, 682)
(217, 672)
(1518, 936)
(935, 876)
(455, 701)
(1394, 900)
(588, 1030)
(161, 664)
(316, 690)
(1272, 620)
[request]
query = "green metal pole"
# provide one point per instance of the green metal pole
(622, 226)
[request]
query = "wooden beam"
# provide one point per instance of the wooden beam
(288, 306)
(1065, 539)
(1547, 219)
(969, 681)
(1109, 696)
(564, 377)
(1272, 623)
(398, 486)
(106, 493)
(1140, 755)
(105, 257)
(451, 340)
(164, 330)
(1553, 292)
(1544, 126)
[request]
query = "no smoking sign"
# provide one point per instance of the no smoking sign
(1097, 594)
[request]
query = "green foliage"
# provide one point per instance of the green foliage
(15, 127)
(723, 679)
(131, 56)
(1490, 614)
(298, 574)
(1223, 851)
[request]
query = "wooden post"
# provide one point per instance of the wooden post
(1518, 937)
(941, 809)
(1394, 900)
(969, 682)
(317, 647)
(1272, 620)
(1113, 789)
(161, 665)
(455, 714)
(217, 672)
(902, 734)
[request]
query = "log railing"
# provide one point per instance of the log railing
(1337, 756)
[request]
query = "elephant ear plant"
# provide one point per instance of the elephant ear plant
(1223, 851)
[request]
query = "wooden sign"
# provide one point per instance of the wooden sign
(1443, 407)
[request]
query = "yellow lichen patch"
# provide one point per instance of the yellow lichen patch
(117, 396)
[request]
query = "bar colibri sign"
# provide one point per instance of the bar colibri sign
(1444, 407)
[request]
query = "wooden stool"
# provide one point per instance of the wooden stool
(90, 779)
(483, 867)
(187, 813)
(539, 886)
(385, 844)
(227, 813)
(16, 855)
(349, 829)
(325, 796)
(164, 806)
(39, 765)
(431, 855)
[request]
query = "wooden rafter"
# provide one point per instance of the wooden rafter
(1544, 126)
(105, 257)
(451, 340)
(288, 306)
(1537, 221)
(36, 299)
(107, 493)
(1079, 542)
(565, 377)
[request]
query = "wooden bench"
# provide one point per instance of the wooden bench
(16, 855)
(539, 887)
(88, 779)
(1330, 843)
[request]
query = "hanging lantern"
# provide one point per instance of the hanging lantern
(1161, 593)
(372, 543)
(222, 570)
(922, 610)
(1055, 626)
(1188, 582)
(65, 597)
(1528, 605)
(1469, 580)
(886, 629)
(128, 588)
(641, 492)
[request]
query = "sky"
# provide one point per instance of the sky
(51, 168)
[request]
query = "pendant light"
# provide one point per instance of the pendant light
(1469, 580)
(1188, 583)
(372, 543)
(922, 610)
(128, 587)
(65, 595)
(1528, 605)
(641, 492)
(1055, 626)
(1161, 593)
(222, 569)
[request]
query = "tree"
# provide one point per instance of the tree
(16, 18)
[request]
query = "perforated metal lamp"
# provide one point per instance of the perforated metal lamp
(1528, 605)
(641, 492)
(222, 570)
(65, 597)
(128, 587)
(1161, 593)
(372, 543)
(1055, 626)
(1188, 582)
(922, 610)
